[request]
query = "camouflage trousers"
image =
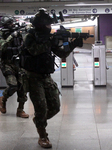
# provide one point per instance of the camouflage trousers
(44, 94)
(13, 76)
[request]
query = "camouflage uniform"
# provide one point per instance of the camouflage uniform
(43, 90)
(39, 62)
(12, 74)
(13, 78)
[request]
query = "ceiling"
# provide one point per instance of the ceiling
(56, 3)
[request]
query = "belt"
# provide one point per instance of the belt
(33, 75)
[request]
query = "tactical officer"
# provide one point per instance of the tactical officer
(39, 63)
(10, 45)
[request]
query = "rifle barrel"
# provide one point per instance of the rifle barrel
(66, 34)
(82, 35)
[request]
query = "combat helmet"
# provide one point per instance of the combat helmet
(42, 18)
(6, 21)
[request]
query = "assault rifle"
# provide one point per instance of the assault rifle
(17, 27)
(64, 35)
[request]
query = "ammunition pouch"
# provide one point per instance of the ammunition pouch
(8, 54)
(42, 64)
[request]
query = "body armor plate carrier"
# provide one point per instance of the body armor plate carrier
(42, 64)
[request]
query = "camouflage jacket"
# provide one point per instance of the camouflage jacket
(10, 47)
(36, 49)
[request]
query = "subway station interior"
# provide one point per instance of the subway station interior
(84, 79)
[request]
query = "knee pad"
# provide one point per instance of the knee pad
(12, 89)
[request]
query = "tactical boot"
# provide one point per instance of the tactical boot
(43, 139)
(21, 113)
(3, 104)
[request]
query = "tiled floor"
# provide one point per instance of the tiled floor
(84, 122)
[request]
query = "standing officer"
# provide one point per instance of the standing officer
(39, 63)
(10, 45)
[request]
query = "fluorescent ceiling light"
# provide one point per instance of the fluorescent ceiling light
(83, 4)
(76, 24)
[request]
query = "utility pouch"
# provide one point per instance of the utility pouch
(25, 82)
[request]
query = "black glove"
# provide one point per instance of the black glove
(76, 43)
(15, 34)
(54, 42)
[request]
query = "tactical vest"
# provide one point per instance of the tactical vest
(42, 63)
(12, 49)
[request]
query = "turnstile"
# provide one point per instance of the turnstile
(67, 72)
(99, 64)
